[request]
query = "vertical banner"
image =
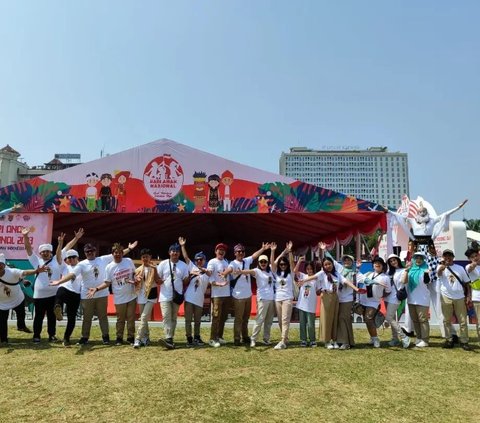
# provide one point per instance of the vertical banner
(11, 238)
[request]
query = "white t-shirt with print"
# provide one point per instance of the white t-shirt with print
(217, 266)
(93, 274)
(165, 270)
(382, 283)
(474, 275)
(265, 283)
(450, 286)
(307, 296)
(397, 285)
(10, 296)
(42, 288)
(420, 295)
(283, 286)
(121, 276)
(195, 293)
(243, 286)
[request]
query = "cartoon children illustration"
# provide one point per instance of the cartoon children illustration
(91, 192)
(200, 193)
(227, 181)
(121, 190)
(106, 192)
(213, 199)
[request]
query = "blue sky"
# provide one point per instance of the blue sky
(247, 80)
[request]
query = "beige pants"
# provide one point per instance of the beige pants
(242, 309)
(265, 313)
(284, 314)
(195, 313)
(458, 306)
(126, 313)
(98, 307)
(419, 316)
(328, 317)
(169, 313)
(145, 315)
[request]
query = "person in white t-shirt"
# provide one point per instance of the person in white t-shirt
(473, 270)
(307, 302)
(148, 280)
(372, 287)
(220, 295)
(11, 295)
(452, 279)
(265, 298)
(416, 278)
(120, 275)
(92, 271)
(174, 275)
(44, 293)
(282, 267)
(199, 279)
(241, 287)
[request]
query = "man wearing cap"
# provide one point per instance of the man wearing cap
(241, 287)
(174, 275)
(220, 294)
(455, 292)
(44, 293)
(92, 271)
(11, 295)
(195, 294)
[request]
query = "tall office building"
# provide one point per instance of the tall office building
(374, 174)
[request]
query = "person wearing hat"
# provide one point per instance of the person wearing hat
(173, 273)
(147, 281)
(455, 292)
(220, 295)
(44, 293)
(395, 272)
(473, 270)
(119, 274)
(241, 287)
(92, 271)
(11, 295)
(199, 279)
(416, 279)
(376, 284)
(265, 298)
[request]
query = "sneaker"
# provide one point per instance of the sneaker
(329, 346)
(105, 340)
(280, 346)
(466, 347)
(246, 340)
(82, 341)
(36, 340)
(421, 344)
(198, 342)
(252, 343)
(137, 344)
(146, 341)
(58, 312)
(130, 340)
(190, 344)
(376, 342)
(406, 342)
(313, 344)
(407, 333)
(447, 344)
(214, 343)
(168, 343)
(119, 341)
(344, 347)
(335, 346)
(303, 344)
(394, 342)
(455, 339)
(222, 341)
(267, 342)
(52, 338)
(25, 329)
(66, 343)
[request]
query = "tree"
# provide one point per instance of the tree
(472, 224)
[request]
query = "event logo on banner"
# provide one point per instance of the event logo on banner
(163, 178)
(11, 238)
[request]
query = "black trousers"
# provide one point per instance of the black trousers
(72, 302)
(44, 306)
(4, 325)
(20, 313)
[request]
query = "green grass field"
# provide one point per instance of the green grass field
(98, 383)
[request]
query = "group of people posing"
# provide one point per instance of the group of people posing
(424, 281)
